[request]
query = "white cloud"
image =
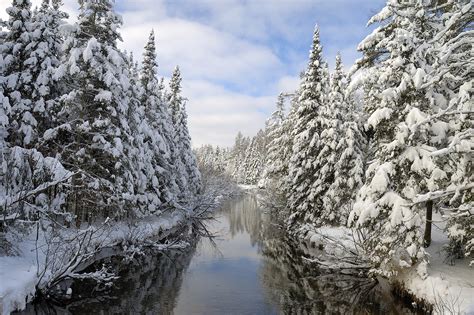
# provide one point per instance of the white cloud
(288, 84)
(217, 114)
(204, 52)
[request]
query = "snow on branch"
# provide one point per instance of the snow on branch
(440, 194)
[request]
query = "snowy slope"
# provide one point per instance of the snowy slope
(451, 285)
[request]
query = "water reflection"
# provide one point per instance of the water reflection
(261, 271)
(148, 285)
(255, 269)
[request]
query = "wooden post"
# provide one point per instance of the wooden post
(429, 217)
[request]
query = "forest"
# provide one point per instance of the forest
(88, 136)
(97, 159)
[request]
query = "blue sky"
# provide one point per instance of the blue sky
(237, 55)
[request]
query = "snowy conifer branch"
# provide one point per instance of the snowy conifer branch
(434, 195)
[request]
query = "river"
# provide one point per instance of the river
(250, 267)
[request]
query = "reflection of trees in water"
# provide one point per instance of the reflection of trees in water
(149, 285)
(243, 217)
(294, 284)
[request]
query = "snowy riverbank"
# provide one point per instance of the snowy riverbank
(42, 257)
(37, 261)
(447, 287)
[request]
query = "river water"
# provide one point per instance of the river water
(250, 267)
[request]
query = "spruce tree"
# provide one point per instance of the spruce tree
(253, 163)
(449, 87)
(306, 130)
(274, 133)
(329, 121)
(157, 131)
(15, 50)
(140, 160)
(193, 176)
(95, 137)
(403, 166)
(237, 157)
(42, 62)
(175, 102)
(348, 153)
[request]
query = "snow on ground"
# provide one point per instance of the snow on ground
(19, 275)
(446, 284)
(18, 280)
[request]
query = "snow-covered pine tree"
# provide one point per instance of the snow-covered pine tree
(27, 60)
(193, 176)
(137, 152)
(326, 81)
(403, 166)
(4, 108)
(285, 144)
(212, 160)
(4, 124)
(348, 167)
(175, 103)
(274, 133)
(94, 135)
(163, 92)
(206, 158)
(302, 172)
(42, 62)
(157, 131)
(254, 159)
(329, 121)
(449, 85)
(220, 161)
(15, 80)
(249, 165)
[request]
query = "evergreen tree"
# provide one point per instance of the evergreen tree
(15, 80)
(274, 164)
(188, 178)
(402, 167)
(193, 176)
(95, 137)
(302, 172)
(157, 131)
(42, 62)
(329, 121)
(73, 105)
(237, 157)
(449, 87)
(254, 160)
(348, 153)
(29, 52)
(140, 160)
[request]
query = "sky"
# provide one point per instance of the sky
(235, 56)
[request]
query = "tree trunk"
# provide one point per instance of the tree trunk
(429, 217)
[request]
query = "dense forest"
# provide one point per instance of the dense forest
(378, 148)
(85, 129)
(95, 151)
